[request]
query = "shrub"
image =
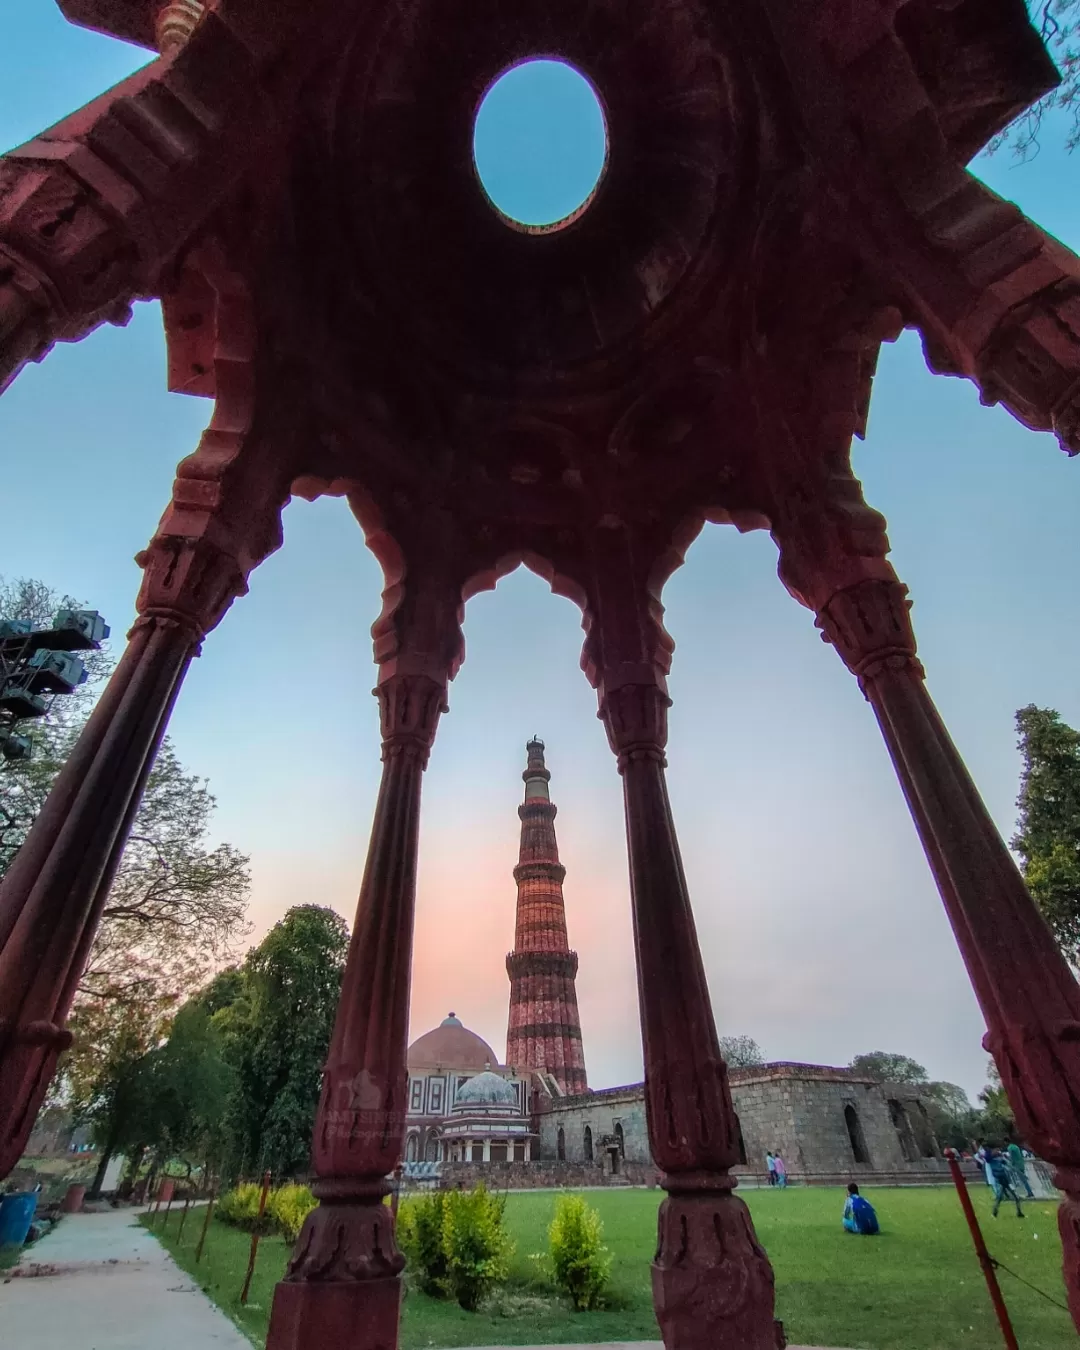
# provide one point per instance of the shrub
(240, 1207)
(288, 1207)
(476, 1245)
(580, 1261)
(420, 1226)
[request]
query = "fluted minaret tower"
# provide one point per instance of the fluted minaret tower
(544, 1030)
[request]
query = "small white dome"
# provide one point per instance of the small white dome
(486, 1089)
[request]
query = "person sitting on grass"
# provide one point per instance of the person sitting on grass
(859, 1214)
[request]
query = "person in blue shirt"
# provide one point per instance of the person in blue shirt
(859, 1215)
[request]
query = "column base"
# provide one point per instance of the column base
(343, 1286)
(1069, 1228)
(712, 1282)
(345, 1314)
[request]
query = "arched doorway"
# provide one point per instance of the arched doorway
(859, 1150)
(560, 1145)
(588, 1143)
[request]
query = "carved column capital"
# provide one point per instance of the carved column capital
(635, 718)
(409, 709)
(869, 624)
(189, 582)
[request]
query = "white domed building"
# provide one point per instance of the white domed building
(464, 1106)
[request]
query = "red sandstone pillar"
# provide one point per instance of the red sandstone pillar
(1029, 996)
(52, 896)
(833, 551)
(712, 1282)
(343, 1284)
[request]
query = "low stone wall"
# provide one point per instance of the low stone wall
(542, 1175)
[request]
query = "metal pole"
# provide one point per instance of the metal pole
(985, 1259)
(206, 1225)
(255, 1239)
(395, 1194)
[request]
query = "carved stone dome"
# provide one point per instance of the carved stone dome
(451, 1045)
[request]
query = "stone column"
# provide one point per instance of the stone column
(53, 894)
(343, 1284)
(1029, 996)
(712, 1282)
(833, 560)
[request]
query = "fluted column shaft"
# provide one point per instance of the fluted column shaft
(1029, 996)
(52, 896)
(343, 1284)
(712, 1282)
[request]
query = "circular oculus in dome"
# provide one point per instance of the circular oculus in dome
(540, 144)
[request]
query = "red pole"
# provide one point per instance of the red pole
(255, 1239)
(985, 1259)
(205, 1226)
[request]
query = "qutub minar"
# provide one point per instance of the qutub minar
(544, 1028)
(536, 1122)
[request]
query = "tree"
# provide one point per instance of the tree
(741, 1052)
(177, 907)
(886, 1067)
(105, 1073)
(995, 1123)
(279, 1030)
(1059, 23)
(1047, 835)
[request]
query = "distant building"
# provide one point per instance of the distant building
(535, 1121)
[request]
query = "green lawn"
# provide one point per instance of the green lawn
(916, 1287)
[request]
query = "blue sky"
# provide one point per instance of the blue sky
(822, 932)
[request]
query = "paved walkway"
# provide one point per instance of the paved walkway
(101, 1282)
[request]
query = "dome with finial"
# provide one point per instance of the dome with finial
(451, 1045)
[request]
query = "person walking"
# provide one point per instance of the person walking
(770, 1163)
(1000, 1177)
(781, 1171)
(1018, 1167)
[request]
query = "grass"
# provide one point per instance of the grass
(916, 1287)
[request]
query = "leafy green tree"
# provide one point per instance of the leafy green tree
(889, 1068)
(741, 1052)
(995, 1122)
(1047, 835)
(279, 1031)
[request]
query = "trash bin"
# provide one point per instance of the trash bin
(16, 1215)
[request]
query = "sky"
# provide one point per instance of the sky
(822, 933)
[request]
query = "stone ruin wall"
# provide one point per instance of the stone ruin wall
(796, 1108)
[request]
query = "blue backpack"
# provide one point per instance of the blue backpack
(862, 1211)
